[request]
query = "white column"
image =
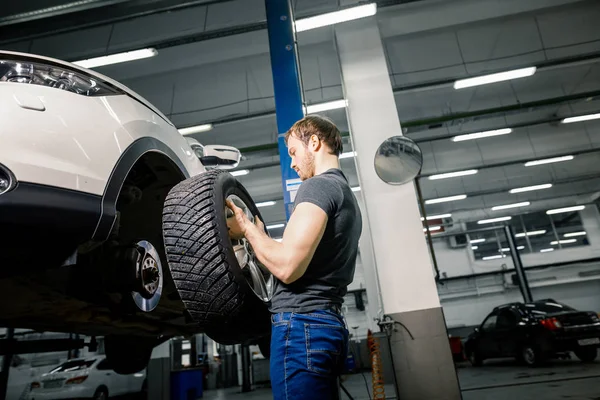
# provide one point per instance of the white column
(423, 363)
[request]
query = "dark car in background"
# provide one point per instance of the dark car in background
(535, 332)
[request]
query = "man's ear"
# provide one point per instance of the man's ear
(315, 143)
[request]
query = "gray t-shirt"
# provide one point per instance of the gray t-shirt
(331, 269)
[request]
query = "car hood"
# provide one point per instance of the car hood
(129, 92)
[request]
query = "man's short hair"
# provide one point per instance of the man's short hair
(323, 127)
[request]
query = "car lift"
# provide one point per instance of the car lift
(9, 347)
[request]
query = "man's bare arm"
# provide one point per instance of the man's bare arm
(289, 259)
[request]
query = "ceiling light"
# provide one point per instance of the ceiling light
(453, 174)
(549, 161)
(266, 204)
(349, 154)
(474, 241)
(117, 58)
(493, 78)
(474, 247)
(196, 129)
(240, 172)
(531, 233)
(530, 188)
(581, 118)
(572, 234)
(330, 105)
(491, 221)
(514, 205)
(546, 250)
(446, 199)
(356, 189)
(441, 216)
(493, 257)
(505, 249)
(336, 17)
(520, 247)
(432, 228)
(567, 241)
(480, 135)
(275, 226)
(564, 210)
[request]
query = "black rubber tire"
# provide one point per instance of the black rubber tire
(264, 344)
(200, 256)
(587, 355)
(128, 354)
(99, 392)
(475, 358)
(539, 356)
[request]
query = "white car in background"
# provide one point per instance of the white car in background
(86, 378)
(113, 224)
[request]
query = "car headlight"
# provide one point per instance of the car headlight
(55, 76)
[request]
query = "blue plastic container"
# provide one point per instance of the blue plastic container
(186, 384)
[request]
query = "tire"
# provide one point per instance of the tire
(587, 355)
(201, 259)
(264, 344)
(101, 393)
(531, 355)
(475, 358)
(128, 354)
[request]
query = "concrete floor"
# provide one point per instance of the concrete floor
(499, 380)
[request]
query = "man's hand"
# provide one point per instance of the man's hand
(239, 223)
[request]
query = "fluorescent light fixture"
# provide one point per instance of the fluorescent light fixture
(564, 210)
(434, 228)
(546, 250)
(475, 241)
(453, 174)
(240, 172)
(566, 241)
(530, 188)
(493, 78)
(275, 226)
(196, 129)
(446, 199)
(336, 17)
(356, 189)
(548, 161)
(493, 257)
(117, 58)
(266, 204)
(581, 118)
(514, 205)
(531, 233)
(349, 154)
(493, 220)
(573, 234)
(505, 249)
(520, 247)
(474, 247)
(330, 105)
(480, 135)
(441, 216)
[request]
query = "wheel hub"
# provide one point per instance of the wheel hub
(149, 277)
(257, 275)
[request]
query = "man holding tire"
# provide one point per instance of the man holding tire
(314, 263)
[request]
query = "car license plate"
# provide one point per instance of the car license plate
(588, 342)
(52, 384)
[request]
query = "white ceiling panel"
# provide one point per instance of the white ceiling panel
(579, 24)
(232, 13)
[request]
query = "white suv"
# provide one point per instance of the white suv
(110, 222)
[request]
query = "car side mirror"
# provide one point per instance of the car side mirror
(219, 156)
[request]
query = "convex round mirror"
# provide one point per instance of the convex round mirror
(398, 160)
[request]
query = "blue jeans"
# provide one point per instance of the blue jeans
(308, 352)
